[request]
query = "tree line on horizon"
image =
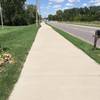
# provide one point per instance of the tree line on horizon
(16, 12)
(91, 13)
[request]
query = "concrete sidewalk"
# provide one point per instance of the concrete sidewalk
(56, 70)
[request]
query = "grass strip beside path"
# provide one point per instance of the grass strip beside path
(18, 41)
(84, 46)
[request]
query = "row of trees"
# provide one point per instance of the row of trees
(15, 12)
(77, 14)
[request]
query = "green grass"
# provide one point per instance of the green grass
(17, 41)
(84, 46)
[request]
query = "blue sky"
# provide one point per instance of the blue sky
(51, 6)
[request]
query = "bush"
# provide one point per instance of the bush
(19, 20)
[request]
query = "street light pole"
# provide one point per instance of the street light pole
(1, 15)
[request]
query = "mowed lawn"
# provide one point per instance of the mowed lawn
(17, 41)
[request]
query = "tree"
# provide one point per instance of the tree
(31, 14)
(97, 16)
(78, 14)
(50, 17)
(11, 9)
(17, 13)
(59, 15)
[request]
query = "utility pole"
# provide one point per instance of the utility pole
(1, 16)
(37, 18)
(39, 12)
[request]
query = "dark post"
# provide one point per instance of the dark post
(95, 41)
(96, 37)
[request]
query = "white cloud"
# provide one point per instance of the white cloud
(69, 4)
(84, 5)
(67, 7)
(95, 2)
(57, 6)
(57, 1)
(72, 1)
(50, 3)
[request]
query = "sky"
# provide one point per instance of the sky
(51, 6)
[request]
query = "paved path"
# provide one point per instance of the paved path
(56, 70)
(83, 32)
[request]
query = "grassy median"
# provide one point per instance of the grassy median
(17, 41)
(84, 46)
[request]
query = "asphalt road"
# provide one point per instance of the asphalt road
(83, 32)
